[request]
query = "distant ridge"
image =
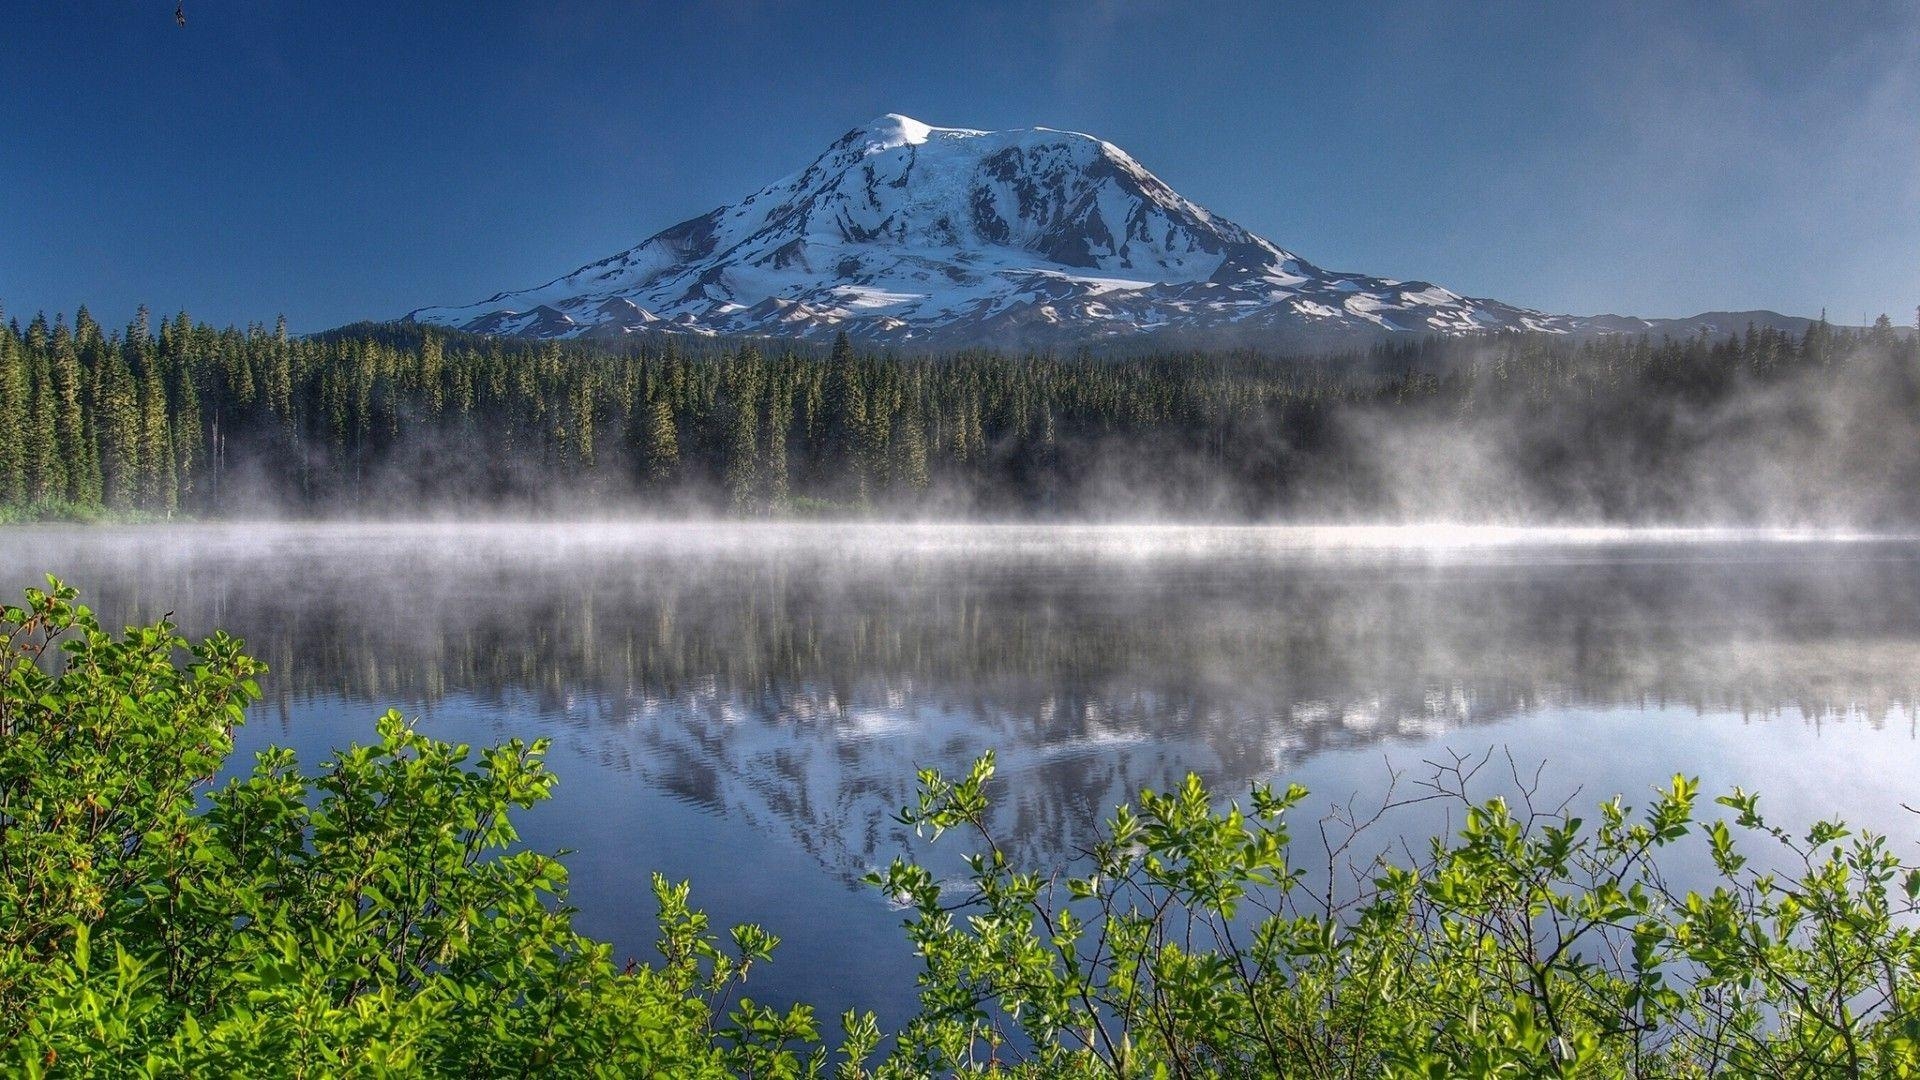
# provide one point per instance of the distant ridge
(907, 234)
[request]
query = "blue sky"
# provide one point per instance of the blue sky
(342, 160)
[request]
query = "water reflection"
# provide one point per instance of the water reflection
(753, 701)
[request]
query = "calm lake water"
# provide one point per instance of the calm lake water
(745, 706)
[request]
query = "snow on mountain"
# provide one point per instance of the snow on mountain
(908, 234)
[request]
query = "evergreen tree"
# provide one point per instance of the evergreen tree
(910, 454)
(875, 437)
(45, 472)
(773, 478)
(80, 470)
(13, 421)
(848, 425)
(1813, 347)
(742, 449)
(432, 364)
(120, 435)
(968, 440)
(662, 454)
(189, 451)
(159, 475)
(91, 348)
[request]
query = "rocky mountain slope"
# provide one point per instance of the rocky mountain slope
(911, 235)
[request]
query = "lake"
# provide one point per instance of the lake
(745, 705)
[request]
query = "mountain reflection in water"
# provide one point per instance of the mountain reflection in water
(740, 703)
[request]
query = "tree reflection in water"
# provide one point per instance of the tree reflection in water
(794, 677)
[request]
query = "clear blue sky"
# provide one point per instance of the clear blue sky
(344, 160)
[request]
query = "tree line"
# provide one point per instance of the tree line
(189, 418)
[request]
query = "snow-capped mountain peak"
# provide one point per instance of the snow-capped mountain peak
(894, 130)
(911, 234)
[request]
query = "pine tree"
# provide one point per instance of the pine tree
(13, 421)
(813, 410)
(360, 408)
(774, 481)
(848, 425)
(875, 437)
(90, 347)
(120, 435)
(80, 470)
(674, 376)
(743, 423)
(662, 450)
(968, 441)
(432, 361)
(910, 454)
(189, 452)
(1813, 347)
(580, 397)
(45, 472)
(159, 477)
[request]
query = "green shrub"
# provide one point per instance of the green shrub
(372, 919)
(379, 918)
(1530, 944)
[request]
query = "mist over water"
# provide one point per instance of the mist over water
(745, 704)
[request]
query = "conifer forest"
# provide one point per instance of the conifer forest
(183, 418)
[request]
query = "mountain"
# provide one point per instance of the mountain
(906, 234)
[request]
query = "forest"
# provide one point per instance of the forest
(390, 419)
